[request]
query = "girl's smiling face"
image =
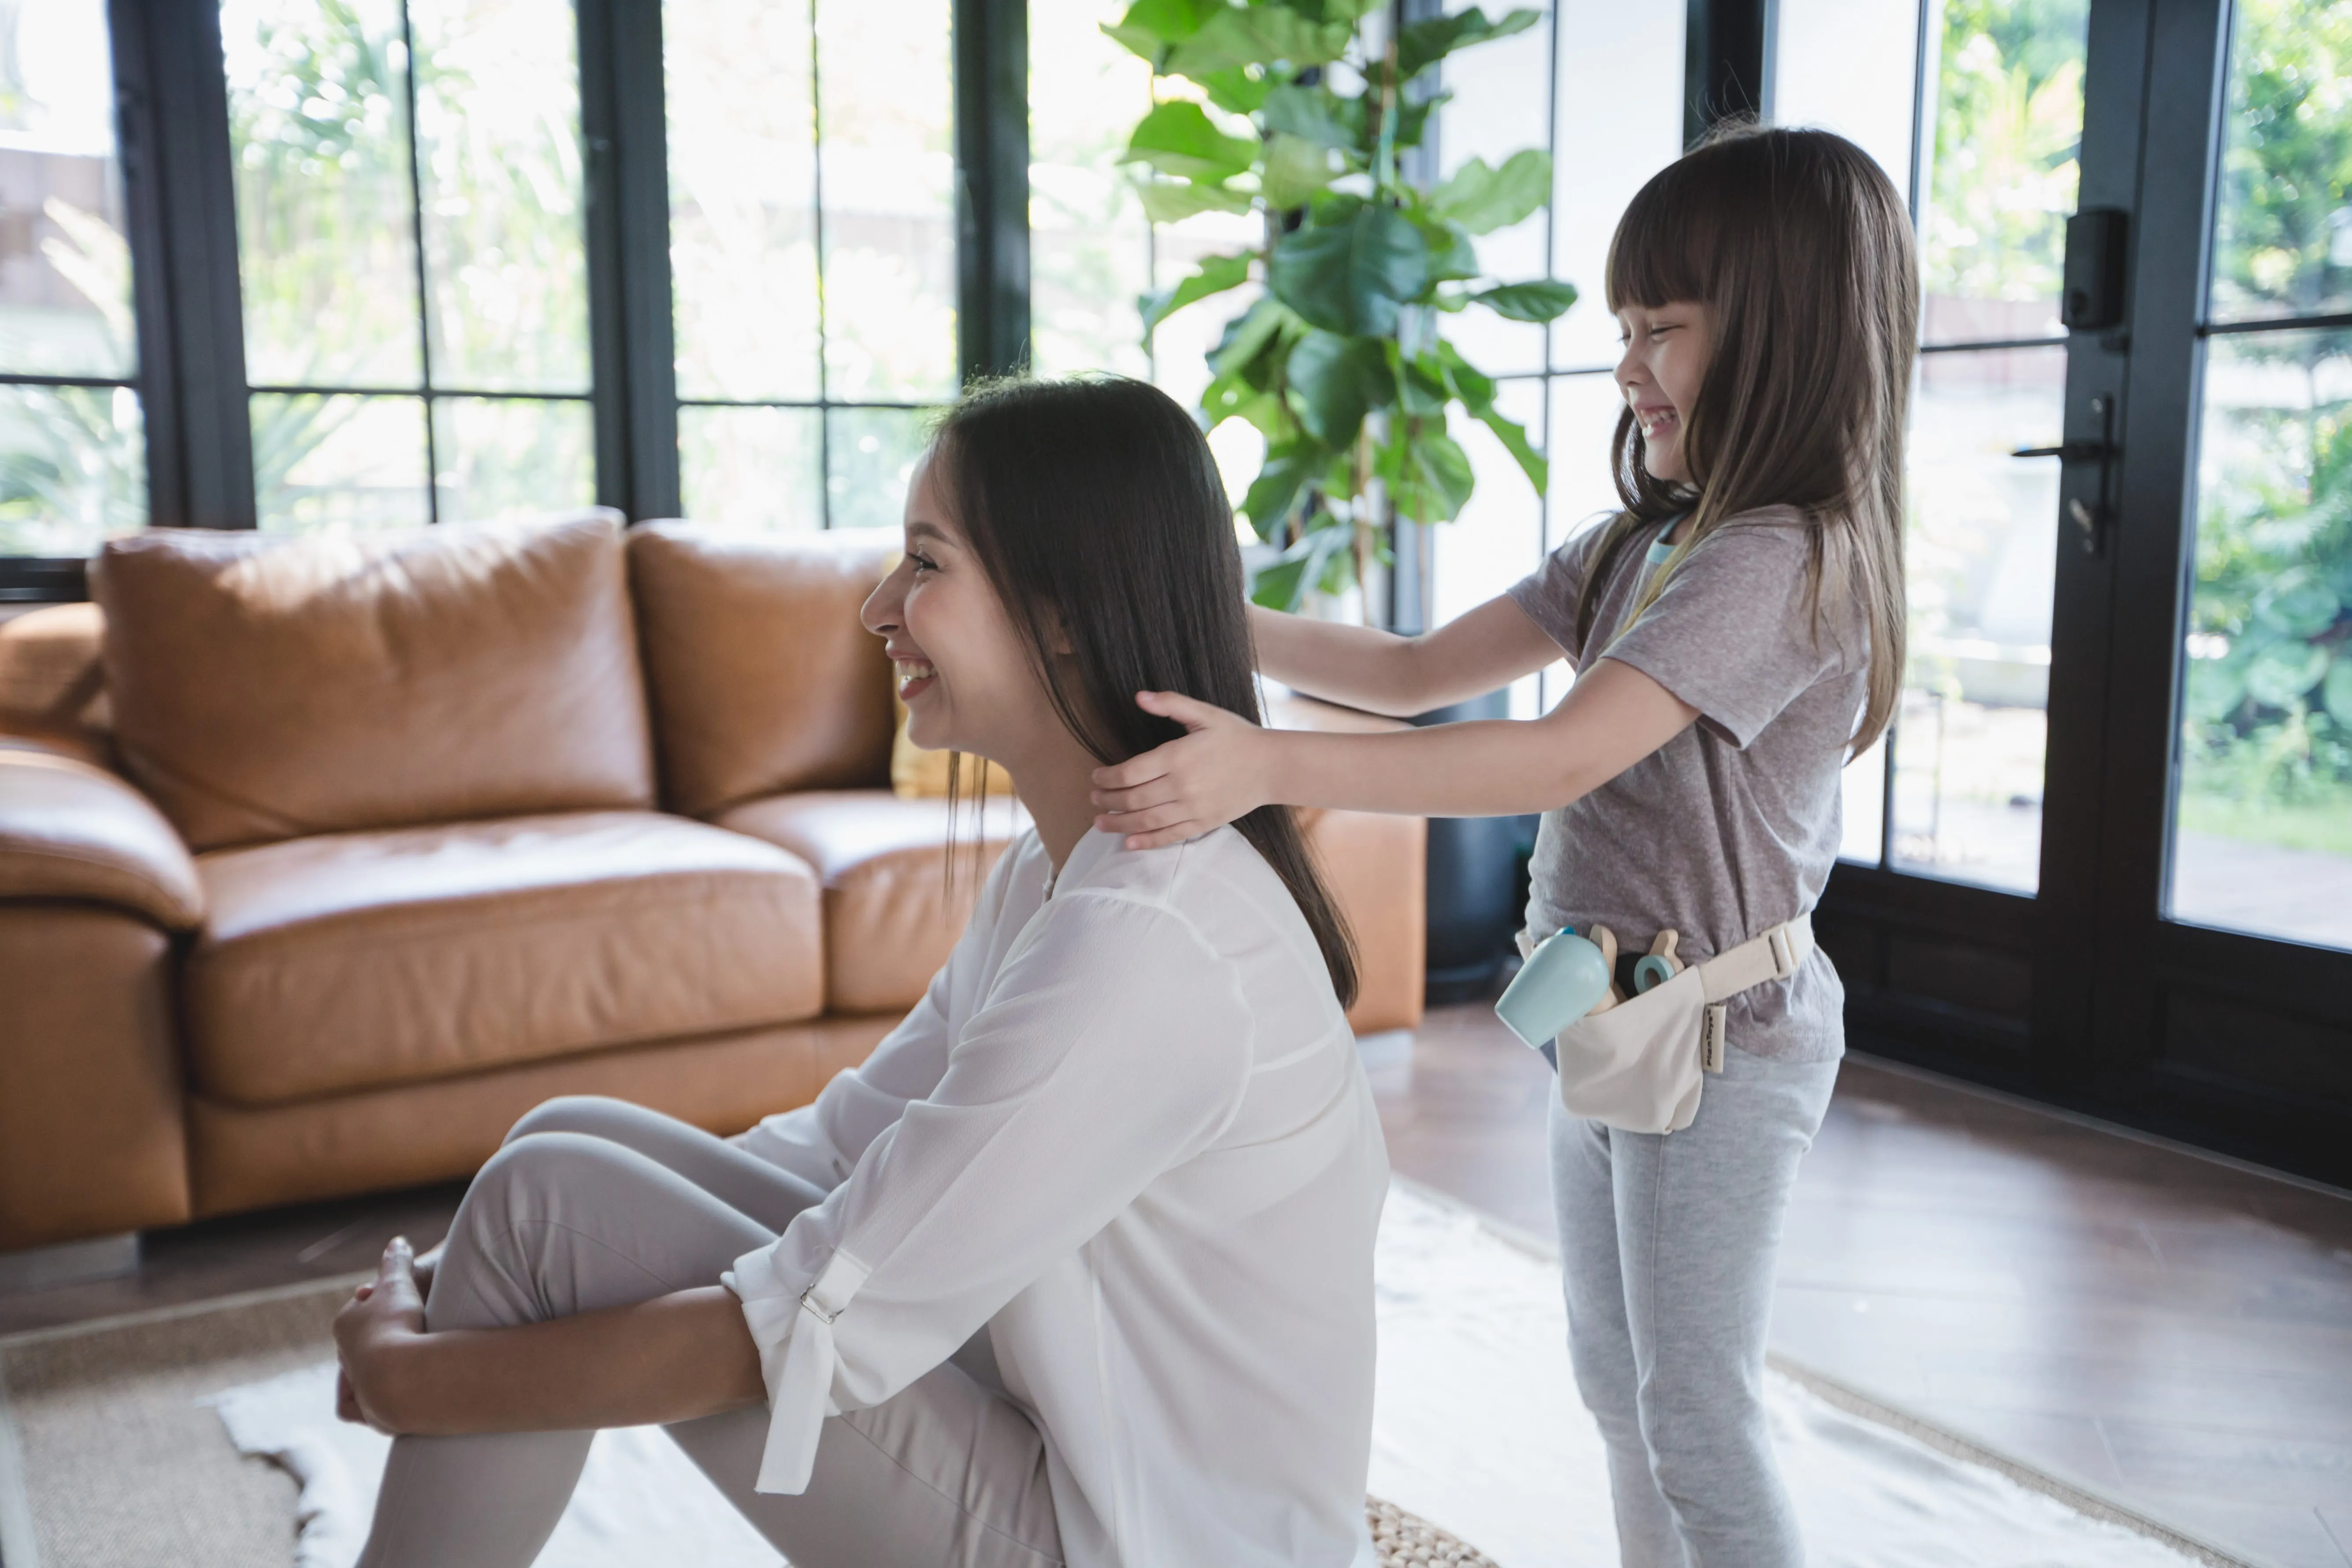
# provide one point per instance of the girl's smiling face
(962, 671)
(1666, 352)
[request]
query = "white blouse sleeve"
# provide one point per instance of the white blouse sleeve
(822, 1141)
(1114, 1046)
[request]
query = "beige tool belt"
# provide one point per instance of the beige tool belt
(1639, 1065)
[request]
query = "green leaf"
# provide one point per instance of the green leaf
(1246, 336)
(1289, 469)
(2298, 603)
(1528, 302)
(1151, 26)
(1283, 585)
(1337, 381)
(1424, 44)
(1233, 397)
(2336, 691)
(1261, 34)
(1174, 200)
(1483, 200)
(1431, 479)
(1317, 114)
(2216, 688)
(1295, 169)
(1514, 437)
(1452, 256)
(2281, 673)
(1421, 390)
(1412, 119)
(1178, 137)
(1239, 91)
(1351, 277)
(1473, 386)
(1216, 274)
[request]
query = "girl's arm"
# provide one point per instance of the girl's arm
(1227, 767)
(1382, 672)
(669, 1359)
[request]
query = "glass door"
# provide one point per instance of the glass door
(2261, 819)
(2223, 919)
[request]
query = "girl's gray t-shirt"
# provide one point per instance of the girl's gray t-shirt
(1730, 827)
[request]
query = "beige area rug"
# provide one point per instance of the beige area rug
(115, 1445)
(113, 1450)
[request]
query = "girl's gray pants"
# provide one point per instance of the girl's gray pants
(1667, 1243)
(595, 1203)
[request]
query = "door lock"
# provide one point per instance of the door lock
(2090, 519)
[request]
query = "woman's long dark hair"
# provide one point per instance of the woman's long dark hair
(1096, 511)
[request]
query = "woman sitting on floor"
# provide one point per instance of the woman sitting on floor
(1077, 1267)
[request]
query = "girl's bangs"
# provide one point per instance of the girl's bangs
(1659, 252)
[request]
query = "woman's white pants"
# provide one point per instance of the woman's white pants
(595, 1203)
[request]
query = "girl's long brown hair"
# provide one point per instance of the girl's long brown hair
(1095, 509)
(1802, 250)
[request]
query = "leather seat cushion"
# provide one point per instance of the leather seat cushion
(763, 680)
(266, 686)
(354, 960)
(891, 917)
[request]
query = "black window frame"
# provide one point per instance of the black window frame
(179, 204)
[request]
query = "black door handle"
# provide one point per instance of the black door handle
(2090, 520)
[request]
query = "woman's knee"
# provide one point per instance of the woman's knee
(588, 1113)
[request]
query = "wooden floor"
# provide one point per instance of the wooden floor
(2165, 1330)
(2158, 1326)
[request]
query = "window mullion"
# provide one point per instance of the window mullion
(992, 156)
(631, 342)
(180, 194)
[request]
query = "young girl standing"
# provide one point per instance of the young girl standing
(1738, 633)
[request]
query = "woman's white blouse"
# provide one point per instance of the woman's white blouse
(1127, 1133)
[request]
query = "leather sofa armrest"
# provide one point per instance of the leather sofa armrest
(71, 831)
(1289, 710)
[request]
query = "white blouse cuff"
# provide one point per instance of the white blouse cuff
(797, 1359)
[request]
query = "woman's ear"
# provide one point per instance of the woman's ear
(1058, 636)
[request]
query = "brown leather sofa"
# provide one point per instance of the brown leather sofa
(321, 861)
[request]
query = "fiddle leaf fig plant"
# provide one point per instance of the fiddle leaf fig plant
(1278, 108)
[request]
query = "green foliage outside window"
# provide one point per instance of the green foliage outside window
(1275, 108)
(2009, 124)
(2266, 745)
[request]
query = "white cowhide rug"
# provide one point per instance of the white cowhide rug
(1476, 1428)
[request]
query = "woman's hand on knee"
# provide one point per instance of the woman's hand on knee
(383, 1319)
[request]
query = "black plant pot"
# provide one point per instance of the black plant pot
(1477, 882)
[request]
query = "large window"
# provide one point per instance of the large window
(411, 259)
(813, 252)
(73, 460)
(1600, 86)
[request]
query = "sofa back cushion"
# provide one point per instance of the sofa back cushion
(267, 687)
(761, 676)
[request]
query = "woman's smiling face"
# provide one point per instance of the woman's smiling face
(1666, 352)
(962, 671)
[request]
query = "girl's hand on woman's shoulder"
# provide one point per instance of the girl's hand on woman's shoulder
(1216, 773)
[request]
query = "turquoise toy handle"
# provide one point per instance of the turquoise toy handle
(1562, 980)
(1653, 970)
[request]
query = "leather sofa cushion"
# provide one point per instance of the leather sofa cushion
(69, 830)
(267, 687)
(348, 960)
(890, 917)
(51, 687)
(762, 679)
